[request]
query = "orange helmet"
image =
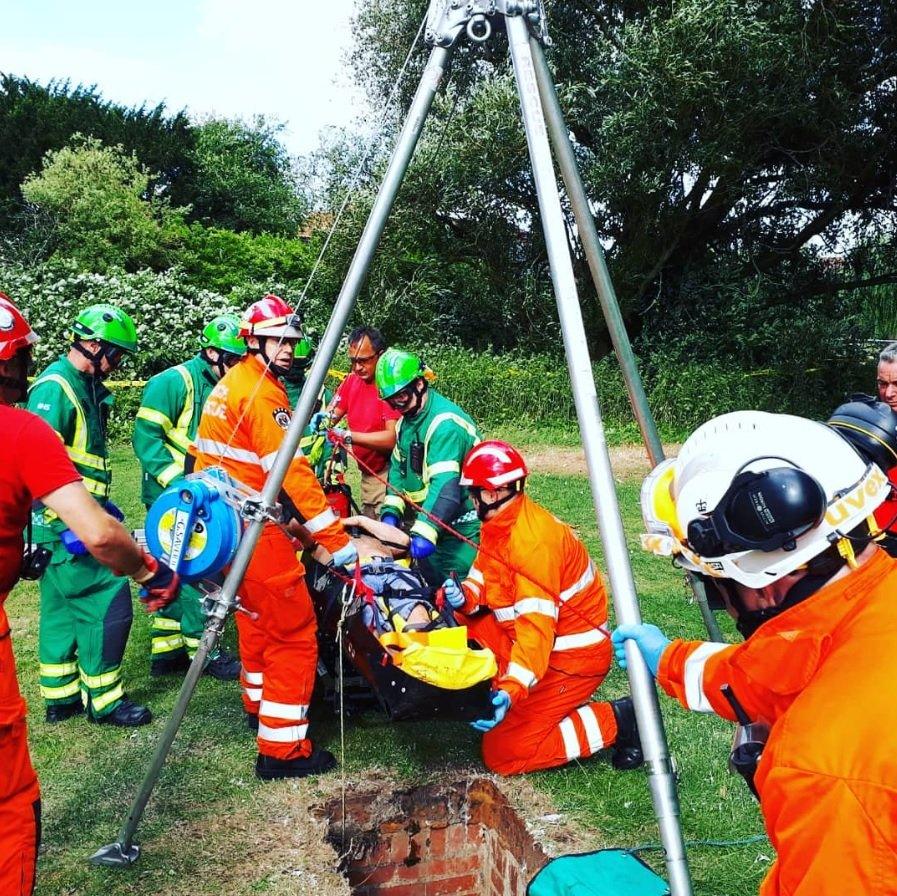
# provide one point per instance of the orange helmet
(493, 464)
(271, 316)
(15, 333)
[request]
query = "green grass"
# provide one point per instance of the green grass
(196, 824)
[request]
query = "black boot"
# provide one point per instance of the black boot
(252, 720)
(59, 712)
(174, 663)
(627, 750)
(224, 667)
(127, 714)
(270, 769)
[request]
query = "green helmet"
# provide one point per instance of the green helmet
(221, 333)
(303, 353)
(108, 323)
(395, 370)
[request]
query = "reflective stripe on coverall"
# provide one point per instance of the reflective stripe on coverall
(86, 610)
(445, 434)
(822, 675)
(548, 608)
(241, 428)
(166, 423)
(19, 791)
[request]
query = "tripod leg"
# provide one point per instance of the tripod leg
(661, 777)
(588, 236)
(123, 852)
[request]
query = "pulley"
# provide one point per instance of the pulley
(193, 526)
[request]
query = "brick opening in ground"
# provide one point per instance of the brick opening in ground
(435, 840)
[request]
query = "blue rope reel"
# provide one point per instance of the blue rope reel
(193, 526)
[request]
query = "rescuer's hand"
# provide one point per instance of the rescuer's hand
(649, 639)
(346, 556)
(320, 421)
(339, 437)
(421, 547)
(453, 593)
(159, 584)
(501, 703)
(390, 519)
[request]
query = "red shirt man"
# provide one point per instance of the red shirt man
(372, 422)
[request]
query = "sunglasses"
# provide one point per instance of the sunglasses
(361, 360)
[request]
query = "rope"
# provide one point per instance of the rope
(689, 844)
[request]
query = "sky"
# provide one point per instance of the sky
(228, 58)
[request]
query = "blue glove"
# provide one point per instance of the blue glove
(649, 639)
(390, 519)
(421, 547)
(115, 511)
(346, 556)
(320, 421)
(501, 703)
(453, 593)
(72, 543)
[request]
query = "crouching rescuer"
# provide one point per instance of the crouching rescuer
(775, 514)
(534, 596)
(241, 429)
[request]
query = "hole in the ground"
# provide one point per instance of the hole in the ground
(435, 840)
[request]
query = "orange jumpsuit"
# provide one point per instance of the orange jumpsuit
(823, 675)
(547, 629)
(241, 428)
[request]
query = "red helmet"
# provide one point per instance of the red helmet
(271, 316)
(15, 333)
(493, 464)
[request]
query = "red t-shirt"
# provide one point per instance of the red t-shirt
(33, 463)
(886, 512)
(365, 411)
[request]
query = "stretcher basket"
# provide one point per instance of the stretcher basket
(399, 694)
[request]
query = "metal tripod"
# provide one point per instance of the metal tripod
(525, 23)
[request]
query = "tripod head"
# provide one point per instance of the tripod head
(446, 19)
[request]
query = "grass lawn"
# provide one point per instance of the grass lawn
(212, 828)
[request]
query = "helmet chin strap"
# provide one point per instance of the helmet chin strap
(483, 509)
(277, 369)
(95, 358)
(218, 366)
(418, 391)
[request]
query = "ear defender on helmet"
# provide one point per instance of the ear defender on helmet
(764, 511)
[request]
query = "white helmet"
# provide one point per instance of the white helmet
(754, 496)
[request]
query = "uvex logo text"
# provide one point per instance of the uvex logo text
(857, 498)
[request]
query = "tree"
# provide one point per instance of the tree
(104, 212)
(729, 147)
(244, 178)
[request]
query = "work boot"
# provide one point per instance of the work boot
(174, 663)
(127, 714)
(59, 712)
(224, 667)
(252, 721)
(270, 769)
(627, 749)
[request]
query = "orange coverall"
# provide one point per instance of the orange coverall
(823, 675)
(241, 428)
(548, 610)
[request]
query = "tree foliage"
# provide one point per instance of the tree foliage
(730, 149)
(102, 207)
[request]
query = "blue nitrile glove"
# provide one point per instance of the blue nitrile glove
(649, 639)
(114, 511)
(501, 703)
(72, 543)
(453, 594)
(390, 519)
(320, 420)
(346, 556)
(421, 547)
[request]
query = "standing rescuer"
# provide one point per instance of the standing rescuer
(34, 466)
(166, 423)
(546, 624)
(241, 428)
(774, 512)
(432, 438)
(371, 421)
(86, 610)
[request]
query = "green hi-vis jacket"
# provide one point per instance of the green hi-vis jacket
(77, 406)
(314, 445)
(440, 436)
(166, 423)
